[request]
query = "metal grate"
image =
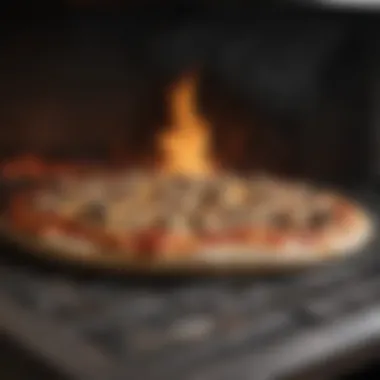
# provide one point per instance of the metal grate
(92, 327)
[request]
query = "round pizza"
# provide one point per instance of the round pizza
(151, 218)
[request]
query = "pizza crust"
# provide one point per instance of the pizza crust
(180, 249)
(246, 260)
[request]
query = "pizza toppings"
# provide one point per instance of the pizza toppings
(282, 220)
(175, 203)
(233, 194)
(173, 216)
(319, 219)
(94, 213)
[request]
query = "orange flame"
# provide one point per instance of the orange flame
(185, 145)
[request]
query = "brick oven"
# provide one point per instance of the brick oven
(289, 89)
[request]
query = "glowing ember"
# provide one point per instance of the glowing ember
(185, 145)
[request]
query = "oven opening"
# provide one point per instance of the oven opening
(186, 141)
(93, 93)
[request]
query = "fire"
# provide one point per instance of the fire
(185, 146)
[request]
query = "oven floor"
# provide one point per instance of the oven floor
(16, 365)
(372, 372)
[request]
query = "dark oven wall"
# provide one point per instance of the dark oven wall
(294, 85)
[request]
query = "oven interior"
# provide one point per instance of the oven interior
(289, 91)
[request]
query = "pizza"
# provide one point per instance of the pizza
(147, 217)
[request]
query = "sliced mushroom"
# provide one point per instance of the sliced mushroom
(209, 196)
(175, 222)
(66, 188)
(173, 188)
(46, 200)
(116, 191)
(69, 208)
(282, 220)
(121, 215)
(319, 219)
(208, 221)
(235, 218)
(233, 193)
(137, 185)
(93, 213)
(262, 192)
